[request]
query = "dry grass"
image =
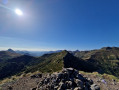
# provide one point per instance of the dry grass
(105, 76)
(6, 80)
(15, 77)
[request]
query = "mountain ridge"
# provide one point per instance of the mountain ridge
(104, 60)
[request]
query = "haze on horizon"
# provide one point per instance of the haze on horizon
(59, 24)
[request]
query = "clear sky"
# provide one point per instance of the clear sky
(59, 24)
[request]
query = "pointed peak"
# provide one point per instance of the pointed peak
(10, 50)
(64, 51)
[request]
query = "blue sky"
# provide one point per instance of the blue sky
(59, 24)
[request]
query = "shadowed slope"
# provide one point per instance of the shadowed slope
(106, 59)
(56, 61)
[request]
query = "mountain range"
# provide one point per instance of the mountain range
(35, 53)
(104, 60)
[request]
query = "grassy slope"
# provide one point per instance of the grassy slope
(56, 61)
(13, 66)
(107, 59)
(4, 55)
(48, 63)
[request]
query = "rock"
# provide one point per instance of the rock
(68, 84)
(87, 84)
(104, 81)
(95, 87)
(69, 70)
(33, 89)
(90, 81)
(86, 88)
(56, 87)
(62, 86)
(36, 76)
(67, 79)
(78, 88)
(79, 83)
(10, 88)
(79, 76)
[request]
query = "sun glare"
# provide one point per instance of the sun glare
(18, 12)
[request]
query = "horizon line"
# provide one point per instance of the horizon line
(44, 49)
(38, 49)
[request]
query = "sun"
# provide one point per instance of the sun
(18, 12)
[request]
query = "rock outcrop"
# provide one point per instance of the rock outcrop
(68, 79)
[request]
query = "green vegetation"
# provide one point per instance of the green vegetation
(13, 66)
(5, 55)
(48, 63)
(104, 76)
(106, 59)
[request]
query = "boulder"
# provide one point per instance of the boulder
(79, 83)
(36, 76)
(95, 87)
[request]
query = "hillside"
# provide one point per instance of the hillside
(106, 59)
(46, 63)
(67, 79)
(13, 66)
(4, 55)
(56, 61)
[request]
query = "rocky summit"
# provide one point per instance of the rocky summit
(67, 79)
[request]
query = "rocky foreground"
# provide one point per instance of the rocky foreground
(67, 79)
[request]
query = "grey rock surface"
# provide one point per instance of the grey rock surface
(67, 79)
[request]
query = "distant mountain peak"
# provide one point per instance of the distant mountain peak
(109, 48)
(10, 50)
(65, 51)
(106, 48)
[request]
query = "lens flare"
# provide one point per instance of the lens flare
(18, 12)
